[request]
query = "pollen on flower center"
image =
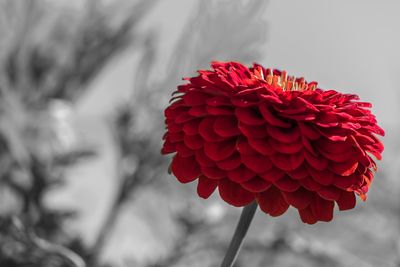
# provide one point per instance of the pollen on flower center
(288, 83)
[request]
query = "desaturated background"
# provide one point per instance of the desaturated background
(83, 87)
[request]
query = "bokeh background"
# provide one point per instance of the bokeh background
(83, 85)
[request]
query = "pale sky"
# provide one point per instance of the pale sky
(350, 46)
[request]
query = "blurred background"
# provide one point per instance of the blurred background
(83, 85)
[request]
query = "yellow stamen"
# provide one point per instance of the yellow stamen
(269, 76)
(288, 83)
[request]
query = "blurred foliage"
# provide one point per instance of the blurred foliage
(49, 55)
(21, 247)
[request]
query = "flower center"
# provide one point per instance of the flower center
(288, 83)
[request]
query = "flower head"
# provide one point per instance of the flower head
(258, 134)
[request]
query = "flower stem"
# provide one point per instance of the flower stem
(241, 229)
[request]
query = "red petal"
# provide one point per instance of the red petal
(299, 117)
(174, 127)
(175, 137)
(357, 146)
(241, 174)
(286, 148)
(345, 168)
(184, 117)
(323, 209)
(249, 116)
(299, 173)
(365, 160)
(333, 147)
(183, 150)
(240, 102)
(230, 163)
(220, 110)
(220, 150)
(284, 135)
(349, 154)
(299, 199)
(256, 163)
(323, 177)
(185, 169)
(363, 139)
(198, 111)
(271, 99)
(206, 130)
(318, 163)
(273, 119)
(195, 98)
(308, 131)
(272, 202)
(193, 141)
(219, 101)
(307, 144)
(205, 187)
(261, 146)
(203, 159)
(334, 133)
(373, 152)
(252, 131)
(273, 175)
(226, 126)
(345, 182)
(234, 194)
(307, 216)
(213, 172)
(346, 201)
(298, 106)
(174, 111)
(310, 184)
(300, 101)
(327, 119)
(329, 193)
(287, 162)
(168, 148)
(287, 184)
(191, 127)
(244, 148)
(256, 185)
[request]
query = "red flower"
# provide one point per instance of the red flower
(257, 134)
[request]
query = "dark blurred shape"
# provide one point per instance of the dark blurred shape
(21, 247)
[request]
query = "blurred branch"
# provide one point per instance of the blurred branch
(56, 54)
(21, 247)
(134, 171)
(51, 55)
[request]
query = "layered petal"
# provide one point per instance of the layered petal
(259, 134)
